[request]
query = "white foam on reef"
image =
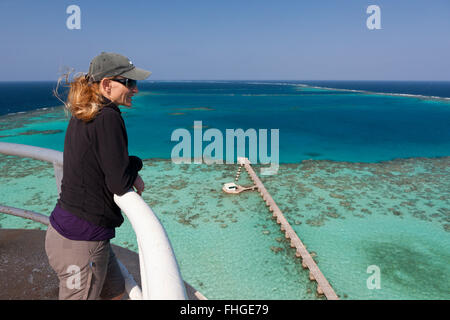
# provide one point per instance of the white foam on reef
(408, 95)
(273, 83)
(302, 85)
(29, 111)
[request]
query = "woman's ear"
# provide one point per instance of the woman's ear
(105, 86)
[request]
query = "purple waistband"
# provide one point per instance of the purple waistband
(74, 228)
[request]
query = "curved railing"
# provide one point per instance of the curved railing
(160, 274)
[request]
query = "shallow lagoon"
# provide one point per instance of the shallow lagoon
(394, 215)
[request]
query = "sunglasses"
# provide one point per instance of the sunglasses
(129, 83)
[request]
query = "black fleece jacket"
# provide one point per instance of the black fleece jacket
(97, 166)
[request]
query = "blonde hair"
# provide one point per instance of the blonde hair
(84, 99)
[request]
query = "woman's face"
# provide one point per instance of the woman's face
(118, 92)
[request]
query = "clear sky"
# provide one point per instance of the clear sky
(231, 39)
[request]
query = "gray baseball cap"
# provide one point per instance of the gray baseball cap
(108, 64)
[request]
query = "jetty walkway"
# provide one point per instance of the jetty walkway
(323, 286)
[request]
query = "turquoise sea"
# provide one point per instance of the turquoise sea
(364, 180)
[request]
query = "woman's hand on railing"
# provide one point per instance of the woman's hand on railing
(139, 185)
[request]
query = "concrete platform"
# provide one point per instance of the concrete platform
(26, 275)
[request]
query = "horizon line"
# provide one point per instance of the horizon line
(259, 80)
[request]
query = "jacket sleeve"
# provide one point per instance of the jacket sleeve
(136, 162)
(112, 152)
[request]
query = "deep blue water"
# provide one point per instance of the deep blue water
(313, 123)
(25, 96)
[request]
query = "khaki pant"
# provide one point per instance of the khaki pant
(87, 270)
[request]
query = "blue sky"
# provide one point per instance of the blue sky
(228, 39)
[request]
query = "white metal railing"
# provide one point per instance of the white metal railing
(160, 274)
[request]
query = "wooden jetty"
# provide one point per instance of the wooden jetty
(323, 286)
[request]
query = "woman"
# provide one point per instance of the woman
(96, 166)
